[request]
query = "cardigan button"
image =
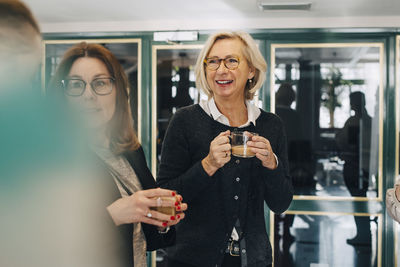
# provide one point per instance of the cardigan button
(236, 197)
(237, 161)
(237, 179)
(243, 251)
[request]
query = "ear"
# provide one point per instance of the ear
(252, 73)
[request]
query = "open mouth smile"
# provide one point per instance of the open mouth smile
(224, 82)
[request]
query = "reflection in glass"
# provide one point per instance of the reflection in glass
(175, 89)
(328, 99)
(303, 240)
(126, 53)
(175, 86)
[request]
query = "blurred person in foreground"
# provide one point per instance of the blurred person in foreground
(225, 225)
(54, 193)
(32, 193)
(93, 83)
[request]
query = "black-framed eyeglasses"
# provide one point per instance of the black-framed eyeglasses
(231, 62)
(76, 87)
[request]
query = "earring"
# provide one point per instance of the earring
(250, 80)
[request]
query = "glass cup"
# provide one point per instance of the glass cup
(166, 210)
(239, 144)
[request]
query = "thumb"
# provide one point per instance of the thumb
(226, 133)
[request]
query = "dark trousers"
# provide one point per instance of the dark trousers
(229, 261)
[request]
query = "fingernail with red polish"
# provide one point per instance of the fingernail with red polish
(178, 216)
(164, 224)
(173, 194)
(181, 198)
(176, 203)
(179, 207)
(172, 218)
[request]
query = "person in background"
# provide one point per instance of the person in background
(354, 142)
(284, 98)
(94, 84)
(225, 225)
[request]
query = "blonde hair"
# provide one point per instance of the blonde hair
(251, 53)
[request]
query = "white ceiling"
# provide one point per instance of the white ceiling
(134, 15)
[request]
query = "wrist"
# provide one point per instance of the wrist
(274, 163)
(112, 212)
(208, 167)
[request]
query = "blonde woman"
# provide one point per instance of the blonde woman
(225, 225)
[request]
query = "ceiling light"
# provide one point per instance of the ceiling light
(176, 36)
(285, 6)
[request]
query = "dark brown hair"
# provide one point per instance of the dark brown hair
(14, 13)
(122, 135)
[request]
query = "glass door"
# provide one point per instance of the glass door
(330, 99)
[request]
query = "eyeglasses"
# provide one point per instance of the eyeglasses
(230, 62)
(76, 87)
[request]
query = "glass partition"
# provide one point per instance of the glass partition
(329, 97)
(173, 87)
(127, 51)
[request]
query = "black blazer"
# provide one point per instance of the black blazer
(154, 239)
(123, 248)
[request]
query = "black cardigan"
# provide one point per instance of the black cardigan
(237, 190)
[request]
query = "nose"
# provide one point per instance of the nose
(222, 68)
(88, 92)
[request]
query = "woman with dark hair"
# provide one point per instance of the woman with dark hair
(95, 86)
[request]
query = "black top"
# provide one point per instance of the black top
(154, 239)
(237, 190)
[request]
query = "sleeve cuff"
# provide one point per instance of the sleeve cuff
(276, 160)
(163, 232)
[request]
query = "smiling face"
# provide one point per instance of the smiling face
(97, 110)
(224, 83)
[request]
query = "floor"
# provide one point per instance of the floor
(321, 241)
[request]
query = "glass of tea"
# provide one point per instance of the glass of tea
(239, 144)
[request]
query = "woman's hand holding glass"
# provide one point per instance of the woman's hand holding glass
(219, 154)
(136, 208)
(261, 146)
